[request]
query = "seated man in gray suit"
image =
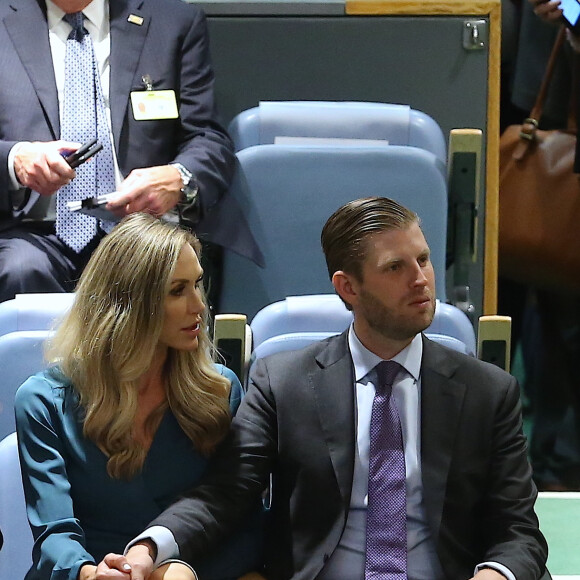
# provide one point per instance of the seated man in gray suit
(137, 76)
(413, 469)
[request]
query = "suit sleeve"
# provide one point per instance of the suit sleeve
(204, 146)
(235, 480)
(59, 550)
(509, 522)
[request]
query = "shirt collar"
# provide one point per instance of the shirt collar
(96, 12)
(365, 361)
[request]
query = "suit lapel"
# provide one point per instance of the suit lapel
(333, 387)
(28, 30)
(129, 25)
(441, 402)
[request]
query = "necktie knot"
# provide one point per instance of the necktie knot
(76, 20)
(386, 372)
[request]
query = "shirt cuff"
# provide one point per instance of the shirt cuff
(162, 537)
(497, 567)
(16, 185)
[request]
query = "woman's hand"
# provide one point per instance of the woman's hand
(548, 10)
(113, 567)
(139, 561)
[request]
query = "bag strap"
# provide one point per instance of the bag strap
(529, 126)
(536, 112)
(575, 108)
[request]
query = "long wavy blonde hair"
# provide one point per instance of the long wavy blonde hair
(108, 339)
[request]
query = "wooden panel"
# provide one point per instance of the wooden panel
(421, 7)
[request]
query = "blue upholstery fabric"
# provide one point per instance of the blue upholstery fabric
(297, 321)
(33, 311)
(16, 554)
(395, 124)
(21, 356)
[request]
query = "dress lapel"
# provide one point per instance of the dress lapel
(129, 26)
(333, 388)
(441, 402)
(28, 30)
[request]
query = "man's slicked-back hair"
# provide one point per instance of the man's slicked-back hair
(346, 231)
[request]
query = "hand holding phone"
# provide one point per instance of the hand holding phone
(571, 13)
(83, 153)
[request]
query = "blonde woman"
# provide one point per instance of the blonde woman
(124, 419)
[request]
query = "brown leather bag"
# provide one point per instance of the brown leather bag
(539, 201)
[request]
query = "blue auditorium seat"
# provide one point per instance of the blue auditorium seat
(298, 161)
(287, 192)
(25, 323)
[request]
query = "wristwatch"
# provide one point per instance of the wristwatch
(190, 187)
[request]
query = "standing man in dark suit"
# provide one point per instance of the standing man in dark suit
(309, 418)
(170, 153)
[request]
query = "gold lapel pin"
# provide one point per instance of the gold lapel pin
(134, 19)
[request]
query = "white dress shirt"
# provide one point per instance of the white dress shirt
(97, 25)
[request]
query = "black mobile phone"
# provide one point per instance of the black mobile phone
(83, 153)
(571, 14)
(95, 207)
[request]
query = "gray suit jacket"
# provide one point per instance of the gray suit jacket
(297, 421)
(171, 45)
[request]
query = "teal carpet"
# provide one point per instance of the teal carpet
(559, 515)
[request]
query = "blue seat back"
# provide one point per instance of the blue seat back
(16, 554)
(298, 340)
(395, 124)
(297, 321)
(288, 192)
(33, 311)
(295, 314)
(21, 355)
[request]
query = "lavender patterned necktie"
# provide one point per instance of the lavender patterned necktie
(386, 538)
(83, 118)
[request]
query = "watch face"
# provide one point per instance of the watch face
(189, 195)
(189, 192)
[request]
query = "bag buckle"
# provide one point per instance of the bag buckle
(529, 133)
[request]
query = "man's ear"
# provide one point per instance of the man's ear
(345, 286)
